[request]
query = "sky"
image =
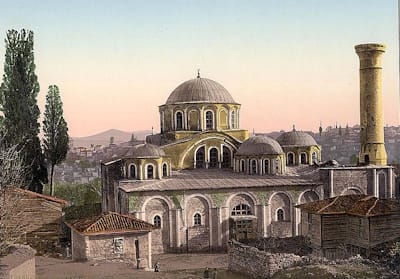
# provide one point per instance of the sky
(287, 62)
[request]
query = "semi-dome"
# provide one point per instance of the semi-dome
(259, 145)
(296, 138)
(200, 90)
(145, 151)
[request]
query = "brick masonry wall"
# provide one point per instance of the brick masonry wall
(256, 263)
(18, 264)
(199, 238)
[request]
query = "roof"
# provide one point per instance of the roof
(296, 138)
(109, 222)
(200, 179)
(360, 205)
(200, 90)
(146, 150)
(259, 145)
(37, 195)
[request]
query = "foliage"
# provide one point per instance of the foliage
(78, 194)
(12, 173)
(18, 94)
(55, 131)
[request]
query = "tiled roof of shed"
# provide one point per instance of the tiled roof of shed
(212, 179)
(37, 195)
(361, 205)
(109, 222)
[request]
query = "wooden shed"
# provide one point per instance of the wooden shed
(36, 217)
(347, 225)
(112, 237)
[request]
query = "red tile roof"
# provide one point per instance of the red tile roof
(46, 197)
(109, 222)
(361, 205)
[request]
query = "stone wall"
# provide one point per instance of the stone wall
(256, 263)
(198, 238)
(20, 263)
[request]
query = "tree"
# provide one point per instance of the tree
(18, 94)
(55, 132)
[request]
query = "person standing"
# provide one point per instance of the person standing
(206, 273)
(214, 275)
(157, 266)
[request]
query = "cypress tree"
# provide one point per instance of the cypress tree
(55, 131)
(18, 92)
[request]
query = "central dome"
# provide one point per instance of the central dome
(200, 90)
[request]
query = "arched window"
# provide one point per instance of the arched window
(213, 158)
(314, 157)
(209, 120)
(280, 215)
(200, 158)
(132, 171)
(157, 221)
(197, 219)
(233, 126)
(242, 166)
(303, 158)
(241, 209)
(179, 120)
(290, 159)
(266, 166)
(164, 170)
(254, 166)
(226, 157)
(150, 172)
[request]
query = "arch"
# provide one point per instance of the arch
(166, 200)
(179, 120)
(223, 119)
(194, 120)
(351, 191)
(314, 156)
(226, 157)
(149, 171)
(164, 169)
(213, 157)
(266, 166)
(132, 170)
(241, 197)
(303, 158)
(242, 209)
(199, 157)
(253, 166)
(242, 165)
(308, 196)
(281, 200)
(209, 120)
(290, 159)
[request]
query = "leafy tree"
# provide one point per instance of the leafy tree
(18, 93)
(55, 131)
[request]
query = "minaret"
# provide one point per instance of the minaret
(372, 143)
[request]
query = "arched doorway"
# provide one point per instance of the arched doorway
(200, 158)
(213, 158)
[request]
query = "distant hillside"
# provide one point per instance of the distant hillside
(103, 138)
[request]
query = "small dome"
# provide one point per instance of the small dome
(145, 151)
(200, 90)
(296, 138)
(259, 145)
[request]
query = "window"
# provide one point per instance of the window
(266, 166)
(149, 172)
(197, 219)
(303, 158)
(233, 120)
(242, 166)
(290, 159)
(253, 166)
(157, 221)
(280, 214)
(164, 170)
(209, 120)
(200, 158)
(226, 157)
(213, 158)
(179, 120)
(132, 171)
(118, 245)
(314, 157)
(241, 209)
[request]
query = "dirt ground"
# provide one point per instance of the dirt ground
(173, 266)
